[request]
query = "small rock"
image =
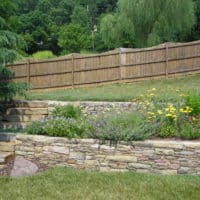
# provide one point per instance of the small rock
(23, 167)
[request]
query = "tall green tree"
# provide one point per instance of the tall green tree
(9, 46)
(73, 38)
(140, 23)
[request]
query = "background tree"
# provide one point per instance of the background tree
(73, 38)
(145, 23)
(9, 45)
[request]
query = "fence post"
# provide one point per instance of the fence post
(72, 70)
(167, 60)
(122, 62)
(28, 70)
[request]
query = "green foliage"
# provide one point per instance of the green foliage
(62, 127)
(68, 111)
(66, 183)
(193, 101)
(190, 130)
(35, 128)
(10, 42)
(167, 130)
(66, 121)
(43, 55)
(126, 126)
(73, 38)
(80, 16)
(145, 23)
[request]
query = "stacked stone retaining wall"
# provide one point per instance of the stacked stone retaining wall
(20, 113)
(156, 156)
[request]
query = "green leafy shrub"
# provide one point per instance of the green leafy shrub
(66, 121)
(190, 131)
(36, 128)
(43, 55)
(68, 111)
(193, 101)
(70, 128)
(126, 126)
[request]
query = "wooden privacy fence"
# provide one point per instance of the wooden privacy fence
(115, 66)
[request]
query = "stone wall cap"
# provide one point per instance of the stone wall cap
(7, 137)
(155, 143)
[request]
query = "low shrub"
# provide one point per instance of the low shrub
(66, 127)
(36, 128)
(193, 101)
(68, 111)
(43, 55)
(189, 130)
(124, 126)
(66, 121)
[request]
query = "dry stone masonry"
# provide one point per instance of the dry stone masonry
(21, 113)
(7, 148)
(156, 156)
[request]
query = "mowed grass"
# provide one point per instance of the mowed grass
(169, 89)
(62, 183)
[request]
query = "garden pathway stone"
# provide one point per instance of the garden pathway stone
(23, 167)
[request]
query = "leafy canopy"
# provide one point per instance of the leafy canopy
(9, 45)
(143, 23)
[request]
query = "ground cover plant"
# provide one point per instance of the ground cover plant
(123, 92)
(62, 183)
(153, 118)
(65, 121)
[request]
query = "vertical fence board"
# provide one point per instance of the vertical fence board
(124, 64)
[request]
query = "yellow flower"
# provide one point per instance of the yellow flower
(188, 109)
(194, 118)
(168, 115)
(151, 95)
(159, 112)
(153, 89)
(166, 109)
(181, 110)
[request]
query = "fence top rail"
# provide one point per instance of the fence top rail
(160, 47)
(114, 52)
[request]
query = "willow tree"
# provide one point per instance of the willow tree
(9, 46)
(143, 23)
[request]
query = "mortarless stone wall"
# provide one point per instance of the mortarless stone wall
(20, 113)
(156, 156)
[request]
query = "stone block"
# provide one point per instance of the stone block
(7, 146)
(6, 157)
(138, 166)
(184, 170)
(121, 158)
(24, 118)
(77, 155)
(7, 137)
(166, 172)
(27, 111)
(164, 151)
(56, 149)
(91, 164)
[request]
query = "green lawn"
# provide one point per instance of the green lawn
(123, 92)
(62, 183)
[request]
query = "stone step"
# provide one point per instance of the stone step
(15, 125)
(24, 118)
(7, 147)
(6, 157)
(6, 137)
(27, 104)
(27, 111)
